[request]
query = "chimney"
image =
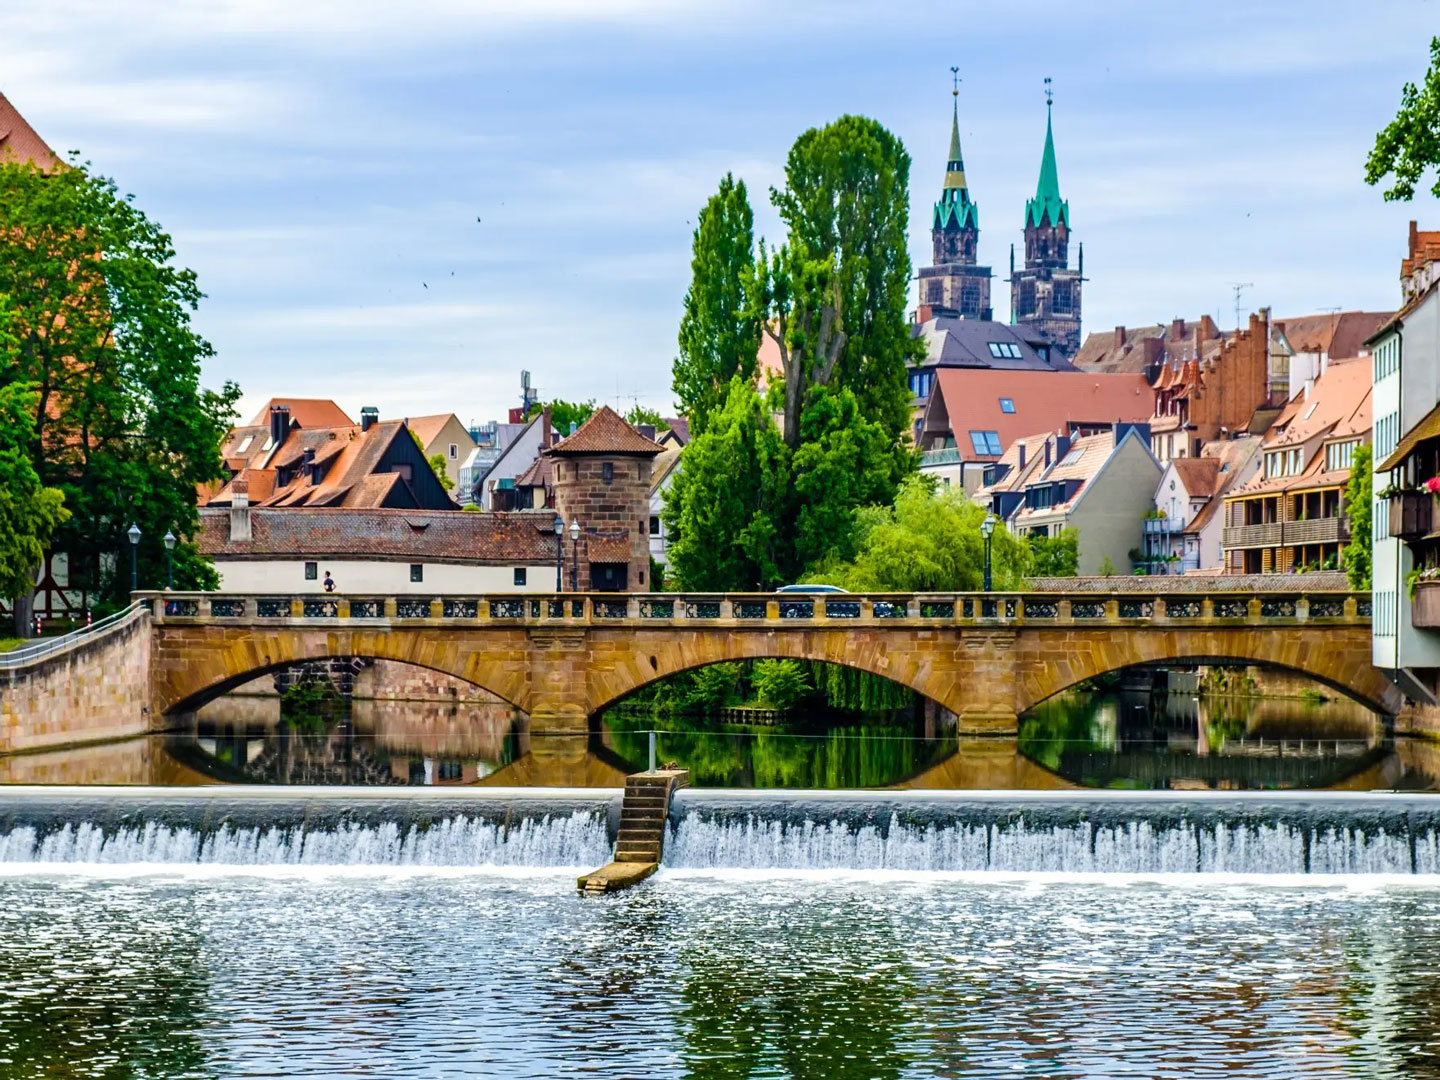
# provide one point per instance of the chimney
(240, 511)
(1020, 446)
(546, 436)
(573, 427)
(1177, 330)
(279, 424)
(369, 417)
(1414, 239)
(923, 314)
(1119, 337)
(1208, 330)
(1062, 447)
(1047, 451)
(648, 430)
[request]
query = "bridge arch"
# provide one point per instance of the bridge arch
(1051, 662)
(218, 661)
(931, 665)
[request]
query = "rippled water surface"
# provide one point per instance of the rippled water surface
(386, 973)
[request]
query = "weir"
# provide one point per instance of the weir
(1004, 832)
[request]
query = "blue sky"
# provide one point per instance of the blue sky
(406, 204)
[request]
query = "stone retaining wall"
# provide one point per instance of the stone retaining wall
(96, 689)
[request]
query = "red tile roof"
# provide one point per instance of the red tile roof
(19, 141)
(1044, 401)
(438, 535)
(307, 412)
(1199, 475)
(606, 432)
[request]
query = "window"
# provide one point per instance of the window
(1005, 350)
(417, 571)
(269, 442)
(654, 525)
(451, 770)
(985, 442)
(454, 451)
(1007, 405)
(1340, 455)
(607, 472)
(519, 576)
(312, 571)
(245, 444)
(1073, 458)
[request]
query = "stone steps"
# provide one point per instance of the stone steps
(640, 839)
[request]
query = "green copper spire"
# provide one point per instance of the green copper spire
(955, 205)
(1047, 208)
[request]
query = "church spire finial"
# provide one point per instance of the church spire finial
(1049, 93)
(955, 204)
(1047, 207)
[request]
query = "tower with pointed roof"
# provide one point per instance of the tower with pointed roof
(1046, 293)
(955, 285)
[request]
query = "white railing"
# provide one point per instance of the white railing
(37, 650)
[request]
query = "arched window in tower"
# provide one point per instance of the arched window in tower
(1060, 298)
(970, 299)
(1027, 296)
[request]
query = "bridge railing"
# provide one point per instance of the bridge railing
(768, 609)
(43, 647)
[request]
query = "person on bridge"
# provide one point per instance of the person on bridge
(329, 582)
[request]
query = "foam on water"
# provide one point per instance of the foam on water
(1160, 847)
(578, 839)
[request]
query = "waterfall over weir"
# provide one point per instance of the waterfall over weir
(274, 827)
(1099, 832)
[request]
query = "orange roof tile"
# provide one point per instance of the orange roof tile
(1043, 401)
(606, 432)
(1199, 475)
(19, 141)
(428, 427)
(307, 412)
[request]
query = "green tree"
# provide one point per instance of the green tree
(723, 512)
(639, 414)
(720, 330)
(1359, 508)
(101, 322)
(838, 290)
(1055, 556)
(29, 512)
(1410, 143)
(1107, 567)
(563, 414)
(927, 541)
(781, 684)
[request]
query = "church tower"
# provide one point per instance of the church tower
(1046, 293)
(954, 285)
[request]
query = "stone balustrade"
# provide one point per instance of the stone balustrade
(742, 610)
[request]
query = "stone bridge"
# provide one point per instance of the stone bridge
(561, 658)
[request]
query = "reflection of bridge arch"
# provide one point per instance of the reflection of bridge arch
(227, 658)
(1337, 657)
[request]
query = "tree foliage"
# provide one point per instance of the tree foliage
(639, 414)
(565, 414)
(720, 330)
(1055, 556)
(29, 511)
(781, 684)
(436, 462)
(1359, 508)
(101, 323)
(724, 510)
(1410, 143)
(927, 541)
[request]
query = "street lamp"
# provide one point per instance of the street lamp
(134, 534)
(987, 530)
(559, 553)
(574, 555)
(169, 560)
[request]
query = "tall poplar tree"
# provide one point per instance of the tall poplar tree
(720, 330)
(100, 317)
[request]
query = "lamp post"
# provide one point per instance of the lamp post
(134, 534)
(987, 530)
(574, 555)
(169, 560)
(559, 553)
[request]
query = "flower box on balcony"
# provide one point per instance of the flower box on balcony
(1425, 607)
(1411, 514)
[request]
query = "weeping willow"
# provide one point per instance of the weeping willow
(854, 690)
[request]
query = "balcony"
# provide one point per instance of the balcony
(1326, 530)
(1411, 514)
(1158, 526)
(1252, 536)
(1425, 607)
(931, 459)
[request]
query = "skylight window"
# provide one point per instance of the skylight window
(245, 444)
(1004, 350)
(1311, 411)
(1074, 456)
(1007, 405)
(985, 442)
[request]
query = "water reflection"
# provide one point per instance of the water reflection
(1107, 738)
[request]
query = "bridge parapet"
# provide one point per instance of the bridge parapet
(766, 610)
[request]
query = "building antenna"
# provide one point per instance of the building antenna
(1237, 287)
